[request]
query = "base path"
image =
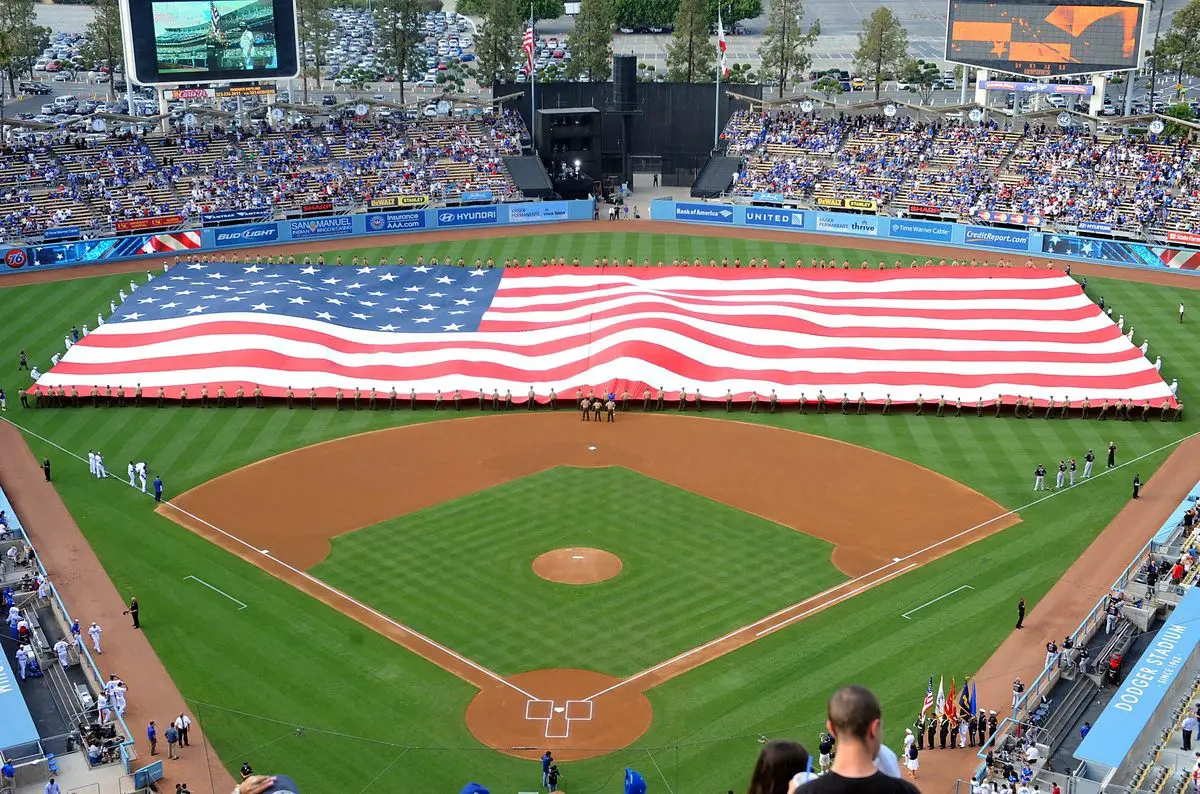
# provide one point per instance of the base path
(885, 516)
(85, 588)
(577, 566)
(1061, 610)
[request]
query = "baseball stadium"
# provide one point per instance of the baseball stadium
(475, 452)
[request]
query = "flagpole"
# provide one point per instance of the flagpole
(717, 92)
(532, 85)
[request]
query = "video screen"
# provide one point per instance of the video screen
(196, 41)
(214, 36)
(1045, 39)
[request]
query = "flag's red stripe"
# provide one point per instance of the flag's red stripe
(687, 368)
(903, 275)
(787, 293)
(412, 342)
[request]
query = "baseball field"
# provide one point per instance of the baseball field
(352, 597)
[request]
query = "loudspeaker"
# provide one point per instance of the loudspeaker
(625, 82)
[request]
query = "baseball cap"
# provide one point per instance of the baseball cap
(283, 785)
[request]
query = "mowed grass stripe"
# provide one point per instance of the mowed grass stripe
(688, 561)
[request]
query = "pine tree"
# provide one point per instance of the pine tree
(691, 55)
(398, 32)
(102, 40)
(1180, 46)
(498, 44)
(314, 28)
(21, 39)
(784, 49)
(882, 46)
(591, 42)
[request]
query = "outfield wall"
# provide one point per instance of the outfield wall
(366, 225)
(1014, 242)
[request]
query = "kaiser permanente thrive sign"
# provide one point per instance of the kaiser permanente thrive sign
(1145, 687)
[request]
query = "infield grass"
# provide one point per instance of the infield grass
(376, 718)
(693, 569)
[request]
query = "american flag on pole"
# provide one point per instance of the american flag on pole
(527, 46)
(927, 706)
(721, 43)
(969, 333)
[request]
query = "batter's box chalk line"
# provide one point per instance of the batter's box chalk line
(558, 717)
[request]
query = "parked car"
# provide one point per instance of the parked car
(36, 89)
(328, 99)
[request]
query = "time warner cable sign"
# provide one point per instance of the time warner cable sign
(247, 235)
(704, 213)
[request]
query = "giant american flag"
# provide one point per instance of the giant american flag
(966, 333)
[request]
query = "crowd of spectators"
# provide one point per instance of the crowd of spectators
(69, 181)
(1127, 181)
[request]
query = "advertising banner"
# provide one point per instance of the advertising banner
(1037, 88)
(848, 224)
(466, 216)
(920, 230)
(867, 205)
(153, 222)
(62, 233)
(924, 209)
(16, 258)
(393, 202)
(537, 213)
(247, 235)
(768, 198)
(231, 91)
(1008, 239)
(1090, 248)
(704, 213)
(395, 221)
(1093, 226)
(1015, 218)
(321, 227)
(225, 216)
(475, 195)
(785, 219)
(1184, 238)
(317, 206)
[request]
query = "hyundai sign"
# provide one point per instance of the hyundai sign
(786, 219)
(466, 216)
(704, 213)
(247, 235)
(396, 221)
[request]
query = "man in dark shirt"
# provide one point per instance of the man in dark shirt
(856, 721)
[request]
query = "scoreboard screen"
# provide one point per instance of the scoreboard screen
(200, 41)
(1045, 39)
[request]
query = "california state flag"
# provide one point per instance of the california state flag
(721, 44)
(941, 699)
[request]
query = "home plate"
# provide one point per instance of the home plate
(559, 709)
(591, 449)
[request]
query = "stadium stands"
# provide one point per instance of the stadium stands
(1130, 183)
(68, 182)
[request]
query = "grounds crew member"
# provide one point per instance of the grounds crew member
(728, 400)
(920, 404)
(553, 400)
(611, 407)
(845, 404)
(753, 402)
(458, 399)
(820, 401)
(862, 403)
(585, 409)
(774, 401)
(887, 404)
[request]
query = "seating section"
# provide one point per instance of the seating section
(1135, 184)
(73, 183)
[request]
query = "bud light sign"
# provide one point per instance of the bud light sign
(247, 235)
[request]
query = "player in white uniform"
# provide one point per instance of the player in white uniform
(94, 631)
(102, 706)
(92, 462)
(100, 471)
(131, 470)
(60, 648)
(140, 468)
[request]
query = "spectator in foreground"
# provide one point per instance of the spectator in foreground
(856, 723)
(256, 784)
(778, 763)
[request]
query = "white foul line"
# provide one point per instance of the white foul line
(881, 568)
(934, 601)
(312, 579)
(222, 592)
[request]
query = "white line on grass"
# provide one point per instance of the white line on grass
(215, 590)
(905, 615)
(309, 578)
(880, 569)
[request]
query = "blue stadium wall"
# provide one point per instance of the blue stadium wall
(1014, 242)
(159, 245)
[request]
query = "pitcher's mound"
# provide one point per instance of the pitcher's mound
(577, 566)
(575, 714)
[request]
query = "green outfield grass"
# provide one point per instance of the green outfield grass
(377, 718)
(686, 562)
